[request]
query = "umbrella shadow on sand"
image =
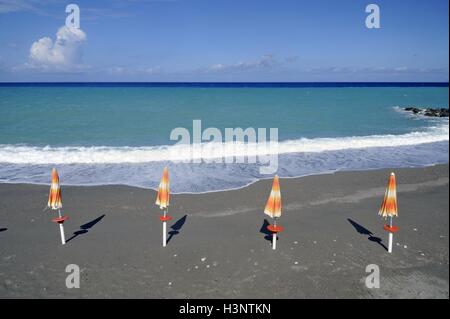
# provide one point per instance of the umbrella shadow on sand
(86, 227)
(364, 231)
(176, 227)
(264, 230)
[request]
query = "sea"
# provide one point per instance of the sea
(120, 133)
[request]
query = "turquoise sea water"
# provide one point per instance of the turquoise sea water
(120, 134)
(127, 116)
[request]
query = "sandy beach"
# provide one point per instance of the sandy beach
(218, 247)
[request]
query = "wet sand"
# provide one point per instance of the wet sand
(218, 246)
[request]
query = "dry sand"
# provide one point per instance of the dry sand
(218, 247)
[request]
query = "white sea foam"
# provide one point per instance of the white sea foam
(210, 177)
(21, 154)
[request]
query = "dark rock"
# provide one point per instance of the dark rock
(430, 112)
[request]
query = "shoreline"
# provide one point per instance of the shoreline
(218, 246)
(228, 189)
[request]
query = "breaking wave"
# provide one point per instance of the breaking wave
(33, 155)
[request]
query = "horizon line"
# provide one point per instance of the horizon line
(416, 83)
(2, 82)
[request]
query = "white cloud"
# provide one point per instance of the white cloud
(7, 6)
(401, 69)
(266, 62)
(376, 70)
(292, 59)
(140, 71)
(63, 54)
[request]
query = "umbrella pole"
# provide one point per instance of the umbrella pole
(61, 229)
(165, 229)
(391, 236)
(63, 238)
(274, 235)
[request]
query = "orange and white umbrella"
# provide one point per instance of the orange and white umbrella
(162, 200)
(273, 206)
(273, 209)
(54, 197)
(389, 208)
(55, 203)
(163, 197)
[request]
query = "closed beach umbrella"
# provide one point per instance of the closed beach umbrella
(162, 200)
(55, 203)
(273, 209)
(389, 208)
(163, 197)
(54, 197)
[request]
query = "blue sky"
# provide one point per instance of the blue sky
(224, 40)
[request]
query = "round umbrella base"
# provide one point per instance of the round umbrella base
(165, 218)
(275, 229)
(60, 220)
(390, 229)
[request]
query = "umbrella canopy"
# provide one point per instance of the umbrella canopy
(389, 205)
(273, 206)
(162, 199)
(54, 197)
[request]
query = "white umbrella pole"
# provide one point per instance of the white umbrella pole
(164, 229)
(391, 237)
(61, 229)
(164, 234)
(274, 236)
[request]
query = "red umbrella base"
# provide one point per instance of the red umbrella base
(165, 219)
(60, 220)
(392, 229)
(275, 229)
